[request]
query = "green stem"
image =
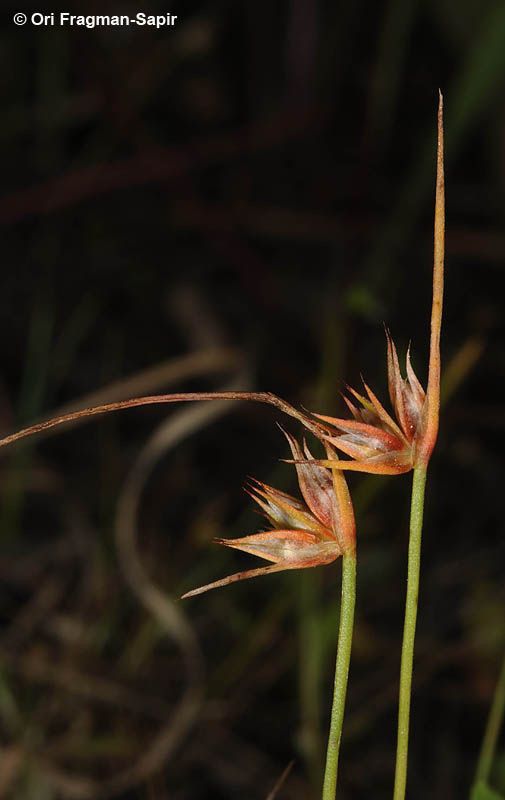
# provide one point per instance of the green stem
(493, 725)
(341, 673)
(409, 630)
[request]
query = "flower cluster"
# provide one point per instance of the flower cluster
(305, 533)
(375, 441)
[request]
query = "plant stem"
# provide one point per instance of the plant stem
(341, 673)
(409, 630)
(493, 725)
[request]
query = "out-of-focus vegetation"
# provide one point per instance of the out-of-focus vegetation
(241, 201)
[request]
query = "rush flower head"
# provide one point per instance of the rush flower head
(374, 440)
(304, 534)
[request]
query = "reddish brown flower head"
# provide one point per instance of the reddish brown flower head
(304, 534)
(375, 441)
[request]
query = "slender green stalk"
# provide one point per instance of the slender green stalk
(493, 725)
(341, 673)
(409, 630)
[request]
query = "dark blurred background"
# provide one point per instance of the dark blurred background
(240, 201)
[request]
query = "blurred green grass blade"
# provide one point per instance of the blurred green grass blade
(37, 361)
(10, 714)
(394, 42)
(481, 791)
(31, 398)
(481, 77)
(493, 727)
(310, 672)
